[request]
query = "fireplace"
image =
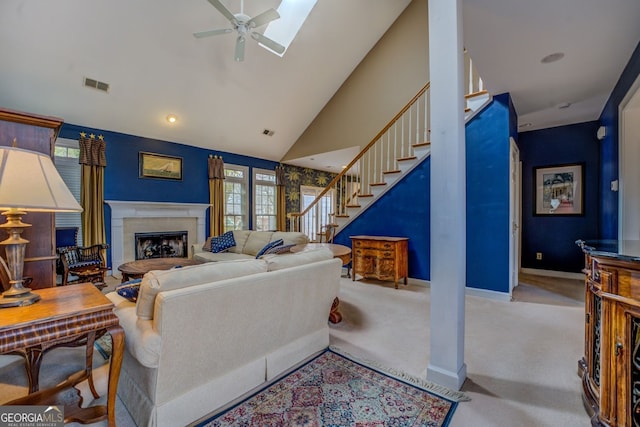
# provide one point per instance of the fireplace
(167, 244)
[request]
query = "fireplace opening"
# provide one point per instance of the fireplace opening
(166, 244)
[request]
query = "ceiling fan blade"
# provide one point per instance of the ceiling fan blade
(273, 45)
(263, 18)
(202, 34)
(222, 9)
(239, 55)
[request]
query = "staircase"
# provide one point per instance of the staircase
(398, 148)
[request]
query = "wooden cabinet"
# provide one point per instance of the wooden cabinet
(36, 133)
(610, 367)
(380, 257)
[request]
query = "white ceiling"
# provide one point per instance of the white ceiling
(145, 50)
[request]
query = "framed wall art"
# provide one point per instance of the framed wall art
(559, 190)
(160, 166)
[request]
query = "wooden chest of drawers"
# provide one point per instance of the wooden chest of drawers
(380, 257)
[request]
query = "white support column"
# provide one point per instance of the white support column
(448, 194)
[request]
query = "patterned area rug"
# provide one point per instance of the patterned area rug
(335, 390)
(103, 345)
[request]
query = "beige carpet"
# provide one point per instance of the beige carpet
(521, 356)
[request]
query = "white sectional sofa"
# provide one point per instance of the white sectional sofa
(200, 336)
(248, 244)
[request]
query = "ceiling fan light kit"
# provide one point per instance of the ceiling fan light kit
(244, 25)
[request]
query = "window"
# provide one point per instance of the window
(66, 155)
(235, 194)
(264, 197)
(321, 212)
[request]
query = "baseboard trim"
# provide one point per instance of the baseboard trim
(553, 273)
(484, 293)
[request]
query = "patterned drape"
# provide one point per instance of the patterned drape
(281, 197)
(93, 160)
(216, 195)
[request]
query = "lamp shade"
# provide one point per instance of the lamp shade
(29, 181)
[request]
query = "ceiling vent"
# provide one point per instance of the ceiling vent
(268, 132)
(95, 84)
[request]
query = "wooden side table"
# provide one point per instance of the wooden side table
(381, 257)
(64, 316)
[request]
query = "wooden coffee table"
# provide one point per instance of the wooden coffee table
(339, 251)
(137, 269)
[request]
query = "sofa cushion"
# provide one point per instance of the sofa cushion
(280, 249)
(279, 262)
(268, 247)
(220, 243)
(291, 237)
(221, 256)
(129, 290)
(240, 236)
(165, 280)
(256, 241)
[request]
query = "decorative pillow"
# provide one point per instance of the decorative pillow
(129, 290)
(268, 246)
(281, 249)
(222, 243)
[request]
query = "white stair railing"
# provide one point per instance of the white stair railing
(398, 143)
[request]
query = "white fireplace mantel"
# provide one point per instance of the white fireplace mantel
(137, 209)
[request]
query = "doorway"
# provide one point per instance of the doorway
(515, 184)
(629, 173)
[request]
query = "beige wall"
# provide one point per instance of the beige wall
(387, 78)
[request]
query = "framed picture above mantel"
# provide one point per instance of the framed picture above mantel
(160, 166)
(559, 190)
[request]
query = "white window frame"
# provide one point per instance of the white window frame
(71, 172)
(244, 198)
(272, 222)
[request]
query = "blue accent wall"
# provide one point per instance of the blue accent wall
(487, 157)
(609, 146)
(122, 177)
(555, 236)
(403, 211)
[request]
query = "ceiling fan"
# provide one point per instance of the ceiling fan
(244, 25)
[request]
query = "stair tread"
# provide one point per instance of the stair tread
(342, 216)
(404, 159)
(377, 184)
(392, 172)
(354, 206)
(365, 195)
(422, 144)
(474, 94)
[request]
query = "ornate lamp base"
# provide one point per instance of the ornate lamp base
(27, 298)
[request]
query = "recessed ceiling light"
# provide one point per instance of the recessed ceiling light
(171, 118)
(552, 58)
(564, 105)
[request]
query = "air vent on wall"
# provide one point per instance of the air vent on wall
(95, 84)
(268, 132)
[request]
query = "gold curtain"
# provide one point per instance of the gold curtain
(93, 161)
(281, 213)
(216, 195)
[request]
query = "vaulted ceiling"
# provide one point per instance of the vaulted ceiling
(146, 51)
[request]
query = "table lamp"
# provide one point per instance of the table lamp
(29, 182)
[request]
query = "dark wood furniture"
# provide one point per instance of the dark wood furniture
(36, 133)
(64, 316)
(86, 263)
(610, 367)
(380, 257)
(339, 251)
(137, 269)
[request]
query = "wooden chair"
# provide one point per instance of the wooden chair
(86, 263)
(65, 237)
(327, 233)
